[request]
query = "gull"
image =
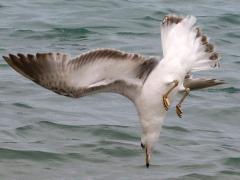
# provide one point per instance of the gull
(149, 83)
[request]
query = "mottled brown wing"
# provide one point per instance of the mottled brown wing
(102, 70)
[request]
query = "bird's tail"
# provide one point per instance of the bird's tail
(182, 40)
(201, 83)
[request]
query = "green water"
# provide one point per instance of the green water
(46, 136)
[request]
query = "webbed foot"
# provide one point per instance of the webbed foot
(179, 111)
(166, 102)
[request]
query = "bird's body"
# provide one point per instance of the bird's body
(149, 84)
(149, 103)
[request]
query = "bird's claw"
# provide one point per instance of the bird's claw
(179, 111)
(166, 102)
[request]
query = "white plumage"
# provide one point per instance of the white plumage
(149, 84)
(183, 51)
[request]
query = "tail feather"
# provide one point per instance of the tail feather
(182, 39)
(201, 83)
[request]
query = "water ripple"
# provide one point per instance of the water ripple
(28, 154)
(230, 172)
(196, 176)
(149, 18)
(133, 33)
(61, 142)
(111, 131)
(227, 90)
(230, 18)
(119, 151)
(176, 128)
(233, 162)
(22, 105)
(63, 33)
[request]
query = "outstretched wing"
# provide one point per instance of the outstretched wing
(102, 70)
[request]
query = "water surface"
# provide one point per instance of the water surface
(46, 136)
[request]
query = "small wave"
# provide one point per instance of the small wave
(2, 6)
(207, 130)
(58, 125)
(227, 90)
(197, 176)
(45, 156)
(87, 158)
(132, 34)
(230, 172)
(119, 142)
(160, 13)
(112, 131)
(72, 31)
(28, 154)
(25, 131)
(197, 166)
(22, 32)
(119, 151)
(226, 41)
(233, 35)
(233, 162)
(148, 18)
(101, 27)
(24, 128)
(230, 18)
(23, 105)
(176, 128)
(65, 33)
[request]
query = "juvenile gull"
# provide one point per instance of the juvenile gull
(150, 84)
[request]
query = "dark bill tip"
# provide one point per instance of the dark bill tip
(147, 165)
(142, 146)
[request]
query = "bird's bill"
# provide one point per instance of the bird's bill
(147, 158)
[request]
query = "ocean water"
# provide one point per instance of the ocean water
(44, 136)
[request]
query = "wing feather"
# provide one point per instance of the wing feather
(101, 70)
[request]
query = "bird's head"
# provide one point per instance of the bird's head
(147, 142)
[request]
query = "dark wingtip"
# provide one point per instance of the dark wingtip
(21, 55)
(12, 56)
(5, 58)
(209, 48)
(171, 19)
(214, 56)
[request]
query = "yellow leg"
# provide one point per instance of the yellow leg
(166, 102)
(178, 107)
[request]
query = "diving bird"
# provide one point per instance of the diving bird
(149, 83)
